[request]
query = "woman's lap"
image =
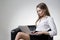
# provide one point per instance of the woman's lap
(40, 37)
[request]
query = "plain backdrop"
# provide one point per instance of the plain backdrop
(23, 12)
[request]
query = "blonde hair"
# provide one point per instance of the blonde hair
(44, 7)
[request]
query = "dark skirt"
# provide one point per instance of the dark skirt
(40, 37)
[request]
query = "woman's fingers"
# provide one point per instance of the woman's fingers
(39, 33)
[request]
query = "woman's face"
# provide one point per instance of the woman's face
(40, 12)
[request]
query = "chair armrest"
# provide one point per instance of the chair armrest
(14, 32)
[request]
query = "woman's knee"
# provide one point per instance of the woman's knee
(27, 36)
(23, 35)
(19, 33)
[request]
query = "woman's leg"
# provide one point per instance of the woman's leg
(22, 35)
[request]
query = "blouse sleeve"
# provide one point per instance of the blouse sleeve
(52, 25)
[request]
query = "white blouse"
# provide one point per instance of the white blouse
(46, 24)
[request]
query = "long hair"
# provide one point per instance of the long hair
(44, 7)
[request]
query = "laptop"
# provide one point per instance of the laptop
(26, 29)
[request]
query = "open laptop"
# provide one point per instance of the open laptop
(26, 29)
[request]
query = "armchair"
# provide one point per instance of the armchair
(32, 37)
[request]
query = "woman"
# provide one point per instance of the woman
(44, 23)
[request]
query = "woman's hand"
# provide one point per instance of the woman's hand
(46, 33)
(38, 33)
(33, 32)
(41, 32)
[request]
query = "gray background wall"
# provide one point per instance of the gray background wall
(23, 12)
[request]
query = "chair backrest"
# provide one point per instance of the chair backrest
(32, 27)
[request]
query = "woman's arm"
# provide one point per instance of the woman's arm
(52, 25)
(43, 32)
